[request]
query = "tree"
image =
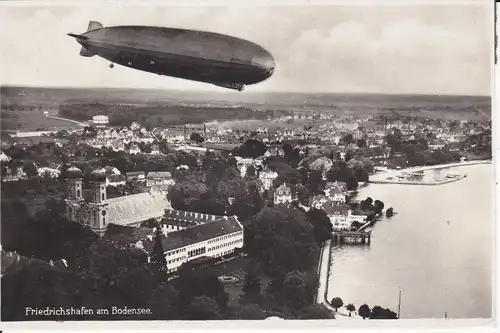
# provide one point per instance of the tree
(337, 303)
(251, 148)
(378, 205)
(30, 169)
(276, 232)
(321, 223)
(294, 290)
(351, 308)
(351, 183)
(251, 311)
(348, 139)
(315, 311)
(251, 289)
(251, 171)
(196, 137)
(361, 143)
(194, 283)
(364, 311)
(315, 182)
(157, 257)
(380, 313)
(202, 308)
(164, 303)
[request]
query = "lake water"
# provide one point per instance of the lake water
(438, 249)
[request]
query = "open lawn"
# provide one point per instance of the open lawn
(25, 120)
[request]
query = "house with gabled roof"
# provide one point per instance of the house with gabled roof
(283, 194)
(336, 191)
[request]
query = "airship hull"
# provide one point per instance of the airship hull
(188, 54)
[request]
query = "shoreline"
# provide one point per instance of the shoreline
(325, 261)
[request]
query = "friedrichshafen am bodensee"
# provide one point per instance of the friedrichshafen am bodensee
(83, 311)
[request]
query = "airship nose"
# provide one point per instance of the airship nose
(265, 61)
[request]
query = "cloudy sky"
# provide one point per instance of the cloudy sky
(432, 49)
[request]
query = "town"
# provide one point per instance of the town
(245, 208)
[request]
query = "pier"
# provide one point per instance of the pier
(352, 237)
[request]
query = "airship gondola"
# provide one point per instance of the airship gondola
(202, 56)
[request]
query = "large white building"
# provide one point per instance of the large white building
(199, 237)
(267, 177)
(100, 120)
(338, 215)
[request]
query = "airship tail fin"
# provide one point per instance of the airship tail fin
(86, 53)
(94, 25)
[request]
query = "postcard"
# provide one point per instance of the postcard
(325, 162)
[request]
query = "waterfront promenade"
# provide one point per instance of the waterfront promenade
(323, 274)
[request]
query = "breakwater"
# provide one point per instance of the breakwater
(410, 182)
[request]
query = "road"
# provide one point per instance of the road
(69, 120)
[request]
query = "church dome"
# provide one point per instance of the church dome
(73, 173)
(98, 175)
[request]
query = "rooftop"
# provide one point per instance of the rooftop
(159, 174)
(136, 207)
(196, 234)
(331, 208)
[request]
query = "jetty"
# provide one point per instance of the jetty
(352, 237)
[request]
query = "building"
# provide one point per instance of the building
(96, 211)
(53, 170)
(318, 201)
(135, 126)
(283, 195)
(199, 237)
(155, 150)
(134, 149)
(338, 215)
(100, 120)
(4, 157)
(111, 170)
(159, 177)
(267, 177)
(335, 191)
(115, 180)
(139, 176)
(175, 220)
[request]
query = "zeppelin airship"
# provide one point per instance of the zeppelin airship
(202, 56)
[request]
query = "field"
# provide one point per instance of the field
(31, 121)
(163, 108)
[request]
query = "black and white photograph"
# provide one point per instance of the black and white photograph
(247, 161)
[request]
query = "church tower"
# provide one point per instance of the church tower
(74, 196)
(98, 219)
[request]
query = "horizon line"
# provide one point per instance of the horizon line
(237, 92)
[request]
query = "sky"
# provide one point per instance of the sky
(395, 48)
